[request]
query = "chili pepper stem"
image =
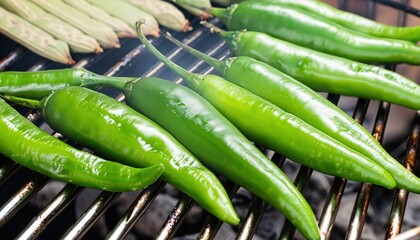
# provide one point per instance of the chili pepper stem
(217, 64)
(26, 102)
(224, 14)
(231, 37)
(299, 211)
(100, 80)
(212, 27)
(193, 80)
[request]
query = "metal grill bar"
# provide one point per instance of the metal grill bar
(402, 16)
(336, 192)
(370, 10)
(331, 207)
(135, 211)
(360, 210)
(302, 179)
(257, 208)
(40, 222)
(15, 203)
(342, 4)
(88, 218)
(400, 199)
(212, 224)
(252, 220)
(301, 182)
(403, 6)
(11, 58)
(408, 235)
(174, 220)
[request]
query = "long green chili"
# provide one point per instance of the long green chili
(272, 127)
(312, 31)
(216, 142)
(37, 85)
(299, 100)
(28, 145)
(115, 130)
(353, 21)
(197, 125)
(324, 72)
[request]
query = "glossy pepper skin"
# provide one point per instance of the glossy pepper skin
(353, 21)
(36, 85)
(312, 31)
(28, 145)
(301, 101)
(115, 130)
(324, 72)
(268, 125)
(214, 140)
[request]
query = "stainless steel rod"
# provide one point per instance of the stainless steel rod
(20, 198)
(90, 216)
(135, 211)
(57, 205)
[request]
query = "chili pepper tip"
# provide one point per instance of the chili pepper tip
(99, 50)
(70, 61)
(186, 26)
(205, 16)
(155, 34)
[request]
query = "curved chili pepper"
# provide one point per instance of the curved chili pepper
(36, 85)
(357, 22)
(216, 142)
(324, 72)
(312, 31)
(301, 101)
(272, 127)
(298, 99)
(210, 136)
(354, 21)
(113, 129)
(28, 145)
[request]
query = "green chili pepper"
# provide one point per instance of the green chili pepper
(36, 85)
(206, 133)
(217, 143)
(354, 21)
(115, 130)
(312, 31)
(324, 72)
(301, 101)
(210, 136)
(28, 145)
(270, 126)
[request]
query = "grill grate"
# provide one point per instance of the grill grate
(134, 60)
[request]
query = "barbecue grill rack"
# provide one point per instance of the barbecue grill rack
(56, 218)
